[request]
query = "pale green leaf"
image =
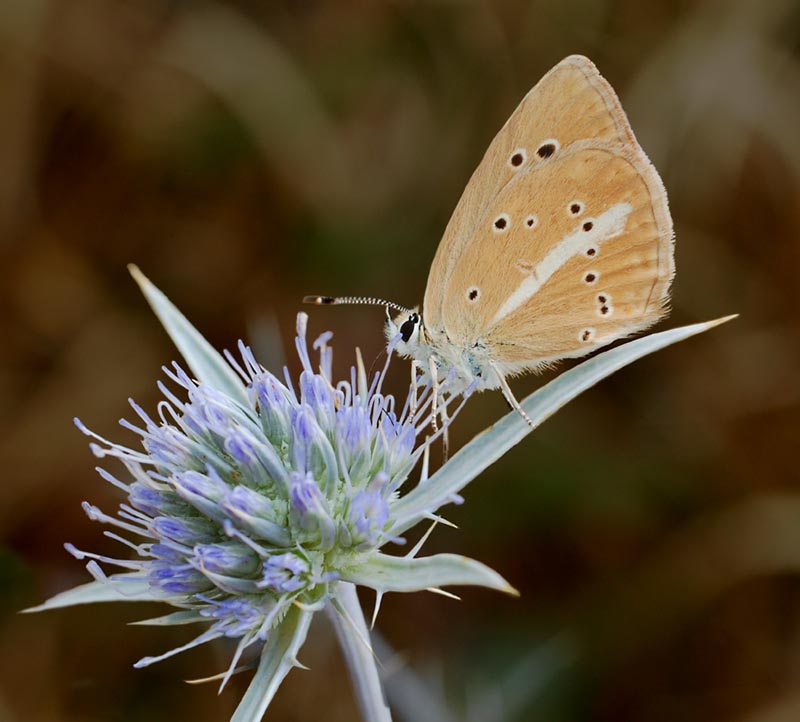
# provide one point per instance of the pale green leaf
(277, 659)
(113, 590)
(186, 616)
(493, 443)
(207, 364)
(386, 573)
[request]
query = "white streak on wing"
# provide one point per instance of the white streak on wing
(607, 225)
(529, 286)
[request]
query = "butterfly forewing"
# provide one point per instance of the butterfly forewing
(562, 240)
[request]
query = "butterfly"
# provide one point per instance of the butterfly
(561, 243)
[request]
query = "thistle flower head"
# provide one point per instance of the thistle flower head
(253, 501)
(239, 508)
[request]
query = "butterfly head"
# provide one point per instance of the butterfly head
(406, 330)
(408, 327)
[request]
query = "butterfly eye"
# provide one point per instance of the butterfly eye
(586, 335)
(531, 221)
(518, 157)
(501, 223)
(472, 294)
(547, 148)
(575, 208)
(407, 327)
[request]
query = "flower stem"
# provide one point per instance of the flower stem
(351, 629)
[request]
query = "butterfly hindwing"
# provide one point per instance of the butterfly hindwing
(594, 266)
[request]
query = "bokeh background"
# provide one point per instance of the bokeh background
(247, 153)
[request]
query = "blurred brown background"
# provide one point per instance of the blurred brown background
(247, 153)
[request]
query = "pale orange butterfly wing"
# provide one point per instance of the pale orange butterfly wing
(518, 236)
(593, 265)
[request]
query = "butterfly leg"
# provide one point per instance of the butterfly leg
(445, 433)
(415, 366)
(435, 390)
(510, 398)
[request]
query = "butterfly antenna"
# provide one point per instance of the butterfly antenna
(354, 300)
